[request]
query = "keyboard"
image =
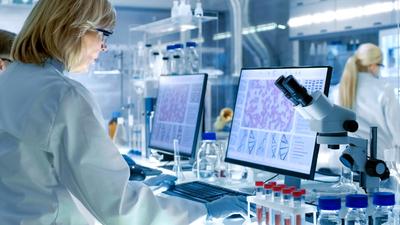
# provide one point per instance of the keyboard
(201, 192)
(148, 171)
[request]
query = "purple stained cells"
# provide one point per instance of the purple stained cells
(173, 101)
(266, 107)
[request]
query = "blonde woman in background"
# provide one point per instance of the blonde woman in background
(371, 98)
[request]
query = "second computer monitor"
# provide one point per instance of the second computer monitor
(267, 133)
(178, 113)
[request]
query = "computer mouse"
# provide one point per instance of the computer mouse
(137, 174)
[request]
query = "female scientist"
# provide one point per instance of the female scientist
(52, 142)
(371, 98)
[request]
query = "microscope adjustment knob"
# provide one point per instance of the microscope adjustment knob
(377, 168)
(350, 125)
(347, 160)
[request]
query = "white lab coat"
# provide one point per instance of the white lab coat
(52, 143)
(376, 105)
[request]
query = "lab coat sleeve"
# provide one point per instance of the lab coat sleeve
(90, 166)
(391, 111)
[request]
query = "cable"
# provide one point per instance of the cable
(271, 178)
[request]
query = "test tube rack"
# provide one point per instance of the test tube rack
(280, 207)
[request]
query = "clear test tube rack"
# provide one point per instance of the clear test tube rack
(280, 207)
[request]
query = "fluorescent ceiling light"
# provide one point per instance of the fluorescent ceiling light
(344, 14)
(251, 30)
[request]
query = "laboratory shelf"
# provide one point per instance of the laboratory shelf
(173, 25)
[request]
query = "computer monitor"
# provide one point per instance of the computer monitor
(267, 133)
(178, 113)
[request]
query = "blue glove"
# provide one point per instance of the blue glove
(227, 206)
(161, 180)
(128, 160)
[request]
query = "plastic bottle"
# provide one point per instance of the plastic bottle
(177, 63)
(384, 203)
(147, 71)
(164, 67)
(207, 157)
(170, 54)
(259, 195)
(357, 205)
(329, 207)
(175, 9)
(198, 11)
(191, 58)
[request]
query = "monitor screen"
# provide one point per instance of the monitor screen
(267, 133)
(178, 113)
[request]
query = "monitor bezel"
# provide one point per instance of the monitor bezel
(310, 175)
(192, 154)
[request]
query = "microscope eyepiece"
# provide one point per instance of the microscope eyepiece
(297, 91)
(279, 84)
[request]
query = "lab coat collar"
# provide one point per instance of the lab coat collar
(57, 64)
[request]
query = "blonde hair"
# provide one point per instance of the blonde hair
(54, 29)
(366, 55)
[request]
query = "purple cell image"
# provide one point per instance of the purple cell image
(173, 101)
(267, 108)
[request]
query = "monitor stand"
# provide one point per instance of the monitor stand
(292, 181)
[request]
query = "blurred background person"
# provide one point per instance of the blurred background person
(6, 41)
(371, 98)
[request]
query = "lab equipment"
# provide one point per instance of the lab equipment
(332, 123)
(277, 198)
(202, 192)
(178, 114)
(268, 197)
(226, 206)
(192, 61)
(208, 157)
(267, 133)
(259, 194)
(329, 207)
(178, 60)
(383, 212)
(299, 219)
(175, 9)
(177, 162)
(357, 205)
(198, 11)
(287, 199)
(170, 54)
(165, 65)
(120, 136)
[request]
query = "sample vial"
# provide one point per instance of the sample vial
(298, 202)
(287, 201)
(259, 195)
(383, 212)
(268, 196)
(329, 207)
(357, 205)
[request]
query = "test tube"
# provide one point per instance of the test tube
(298, 203)
(259, 194)
(268, 196)
(277, 193)
(287, 200)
